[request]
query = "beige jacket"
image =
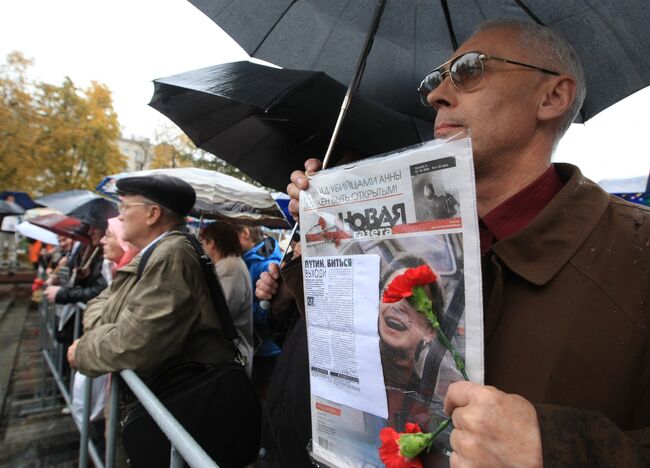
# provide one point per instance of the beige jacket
(236, 284)
(163, 319)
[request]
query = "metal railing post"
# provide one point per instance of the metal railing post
(75, 334)
(175, 459)
(112, 420)
(189, 449)
(42, 343)
(85, 424)
(51, 350)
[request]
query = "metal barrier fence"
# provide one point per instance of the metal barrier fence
(183, 446)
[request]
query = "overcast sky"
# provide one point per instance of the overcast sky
(127, 43)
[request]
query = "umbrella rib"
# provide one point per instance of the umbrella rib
(297, 86)
(529, 12)
(480, 8)
(272, 28)
(450, 27)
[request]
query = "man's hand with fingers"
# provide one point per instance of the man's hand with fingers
(270, 287)
(300, 181)
(492, 428)
(267, 286)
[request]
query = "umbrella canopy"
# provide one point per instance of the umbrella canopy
(32, 231)
(633, 189)
(83, 205)
(63, 225)
(22, 198)
(611, 38)
(266, 121)
(10, 208)
(36, 212)
(218, 196)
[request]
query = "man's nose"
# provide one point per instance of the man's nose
(442, 95)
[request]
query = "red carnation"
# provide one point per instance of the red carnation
(37, 284)
(389, 452)
(402, 285)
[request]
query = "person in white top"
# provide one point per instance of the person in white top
(221, 242)
(8, 240)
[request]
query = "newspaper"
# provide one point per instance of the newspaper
(406, 209)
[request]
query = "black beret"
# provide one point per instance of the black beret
(171, 192)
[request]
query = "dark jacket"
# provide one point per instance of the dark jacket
(567, 324)
(286, 428)
(89, 283)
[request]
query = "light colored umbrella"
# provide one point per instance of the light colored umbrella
(36, 212)
(8, 208)
(32, 231)
(218, 196)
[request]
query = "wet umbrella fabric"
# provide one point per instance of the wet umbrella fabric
(63, 225)
(218, 196)
(266, 121)
(33, 231)
(67, 201)
(22, 198)
(40, 211)
(10, 208)
(413, 37)
(83, 205)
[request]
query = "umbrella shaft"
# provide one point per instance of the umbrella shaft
(354, 85)
(358, 73)
(337, 127)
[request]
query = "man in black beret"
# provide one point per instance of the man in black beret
(165, 317)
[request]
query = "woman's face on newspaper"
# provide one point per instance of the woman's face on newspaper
(401, 327)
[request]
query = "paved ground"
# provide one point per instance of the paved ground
(30, 436)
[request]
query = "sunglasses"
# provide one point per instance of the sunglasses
(464, 71)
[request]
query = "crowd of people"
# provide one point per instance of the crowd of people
(565, 283)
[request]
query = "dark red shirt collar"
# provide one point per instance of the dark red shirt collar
(516, 212)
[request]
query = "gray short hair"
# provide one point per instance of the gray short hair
(554, 52)
(170, 216)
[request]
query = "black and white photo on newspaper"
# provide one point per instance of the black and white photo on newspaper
(392, 281)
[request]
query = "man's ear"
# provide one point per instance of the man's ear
(155, 213)
(558, 96)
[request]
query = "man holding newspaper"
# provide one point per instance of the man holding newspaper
(565, 266)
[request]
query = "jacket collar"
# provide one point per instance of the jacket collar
(265, 250)
(132, 266)
(541, 249)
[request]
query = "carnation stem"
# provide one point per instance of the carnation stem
(424, 305)
(441, 427)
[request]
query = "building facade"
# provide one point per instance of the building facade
(138, 152)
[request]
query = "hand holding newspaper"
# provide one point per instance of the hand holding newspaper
(377, 364)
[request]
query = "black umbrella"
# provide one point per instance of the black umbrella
(83, 205)
(611, 38)
(266, 121)
(10, 208)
